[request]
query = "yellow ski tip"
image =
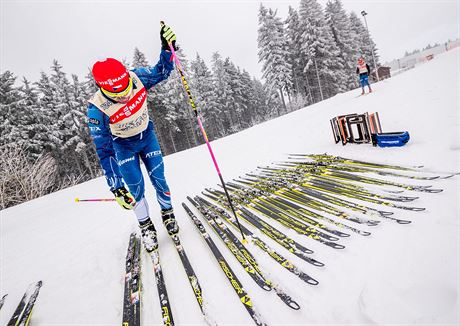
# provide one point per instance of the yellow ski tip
(77, 200)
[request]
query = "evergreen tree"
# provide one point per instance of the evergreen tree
(273, 52)
(293, 35)
(319, 49)
(139, 59)
(84, 149)
(69, 122)
(221, 93)
(201, 83)
(248, 97)
(236, 102)
(10, 113)
(172, 112)
(48, 114)
(89, 84)
(34, 132)
(364, 41)
(340, 26)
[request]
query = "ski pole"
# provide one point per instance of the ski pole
(195, 111)
(77, 200)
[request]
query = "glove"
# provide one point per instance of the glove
(124, 198)
(167, 36)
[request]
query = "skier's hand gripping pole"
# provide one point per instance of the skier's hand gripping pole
(172, 47)
(78, 200)
(124, 198)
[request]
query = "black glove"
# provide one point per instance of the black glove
(124, 198)
(167, 36)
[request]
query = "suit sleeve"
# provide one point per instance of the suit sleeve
(150, 76)
(98, 124)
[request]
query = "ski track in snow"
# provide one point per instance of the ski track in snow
(401, 274)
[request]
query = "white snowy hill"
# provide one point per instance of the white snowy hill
(401, 274)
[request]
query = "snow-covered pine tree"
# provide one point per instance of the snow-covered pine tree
(319, 49)
(10, 112)
(172, 113)
(340, 26)
(139, 59)
(201, 83)
(89, 84)
(249, 99)
(221, 92)
(363, 40)
(293, 36)
(48, 114)
(85, 149)
(273, 52)
(70, 121)
(33, 137)
(262, 111)
(237, 104)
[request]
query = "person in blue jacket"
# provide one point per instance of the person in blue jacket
(123, 135)
(363, 70)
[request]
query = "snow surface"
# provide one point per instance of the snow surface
(404, 274)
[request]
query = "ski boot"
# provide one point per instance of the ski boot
(149, 235)
(169, 220)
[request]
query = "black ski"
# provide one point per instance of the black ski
(315, 204)
(284, 219)
(278, 236)
(244, 256)
(258, 242)
(192, 278)
(2, 300)
(23, 312)
(136, 283)
(236, 284)
(127, 306)
(161, 286)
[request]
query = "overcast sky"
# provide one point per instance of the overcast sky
(77, 33)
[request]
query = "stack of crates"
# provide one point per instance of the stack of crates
(365, 128)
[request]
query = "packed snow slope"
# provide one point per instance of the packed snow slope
(404, 274)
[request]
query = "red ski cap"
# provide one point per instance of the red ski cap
(111, 75)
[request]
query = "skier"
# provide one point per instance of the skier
(123, 133)
(363, 70)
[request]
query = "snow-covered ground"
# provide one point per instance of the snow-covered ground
(401, 274)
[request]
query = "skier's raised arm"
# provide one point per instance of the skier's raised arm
(150, 76)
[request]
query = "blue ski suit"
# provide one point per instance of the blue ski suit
(119, 157)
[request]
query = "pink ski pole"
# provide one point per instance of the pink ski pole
(77, 200)
(195, 111)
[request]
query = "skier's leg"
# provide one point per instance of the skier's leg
(153, 160)
(148, 232)
(128, 162)
(142, 210)
(129, 165)
(361, 81)
(368, 84)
